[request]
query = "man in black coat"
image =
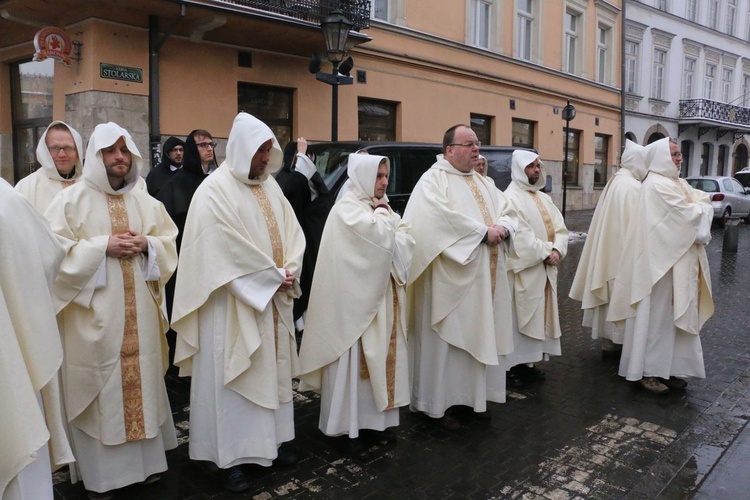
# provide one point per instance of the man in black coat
(171, 162)
(309, 197)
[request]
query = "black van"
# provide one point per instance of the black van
(409, 160)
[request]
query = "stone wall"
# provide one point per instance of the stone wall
(85, 110)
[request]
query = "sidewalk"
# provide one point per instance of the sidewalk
(583, 433)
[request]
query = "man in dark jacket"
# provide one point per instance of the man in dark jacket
(199, 161)
(176, 194)
(311, 201)
(171, 162)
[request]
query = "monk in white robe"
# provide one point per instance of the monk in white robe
(356, 356)
(241, 253)
(541, 244)
(664, 288)
(120, 246)
(33, 436)
(459, 297)
(605, 244)
(59, 153)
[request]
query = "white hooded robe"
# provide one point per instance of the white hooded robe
(664, 287)
(356, 356)
(606, 243)
(235, 331)
(541, 229)
(113, 321)
(459, 298)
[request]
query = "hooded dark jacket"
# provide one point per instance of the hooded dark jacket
(178, 192)
(160, 174)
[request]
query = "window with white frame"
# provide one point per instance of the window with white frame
(691, 14)
(480, 23)
(729, 16)
(662, 5)
(688, 77)
(380, 10)
(726, 84)
(658, 71)
(746, 91)
(572, 42)
(708, 83)
(713, 14)
(603, 60)
(631, 66)
(525, 29)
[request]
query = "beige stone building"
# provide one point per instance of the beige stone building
(166, 67)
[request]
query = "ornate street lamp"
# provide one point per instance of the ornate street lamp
(336, 32)
(568, 113)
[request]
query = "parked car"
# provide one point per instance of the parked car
(743, 176)
(409, 160)
(728, 197)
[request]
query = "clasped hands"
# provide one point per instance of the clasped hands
(496, 234)
(288, 282)
(127, 244)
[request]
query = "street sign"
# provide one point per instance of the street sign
(115, 72)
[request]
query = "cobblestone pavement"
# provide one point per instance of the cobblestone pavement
(583, 433)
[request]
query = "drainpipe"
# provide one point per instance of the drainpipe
(622, 77)
(155, 43)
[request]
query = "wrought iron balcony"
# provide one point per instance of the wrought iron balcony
(314, 11)
(713, 111)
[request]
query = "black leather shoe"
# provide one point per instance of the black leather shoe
(234, 479)
(378, 437)
(513, 379)
(286, 456)
(356, 449)
(447, 422)
(529, 372)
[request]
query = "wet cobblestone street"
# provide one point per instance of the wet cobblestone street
(582, 433)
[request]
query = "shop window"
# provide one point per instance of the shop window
(523, 133)
(271, 105)
(377, 120)
(31, 86)
(482, 126)
(601, 159)
(574, 143)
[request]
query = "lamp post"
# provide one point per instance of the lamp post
(568, 113)
(335, 31)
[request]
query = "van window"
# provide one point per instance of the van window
(414, 163)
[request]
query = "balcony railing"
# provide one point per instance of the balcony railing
(314, 11)
(704, 109)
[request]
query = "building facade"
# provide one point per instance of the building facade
(508, 67)
(687, 76)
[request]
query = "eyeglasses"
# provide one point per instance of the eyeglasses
(469, 144)
(204, 145)
(55, 150)
(677, 155)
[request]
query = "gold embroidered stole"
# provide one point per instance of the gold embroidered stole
(495, 249)
(276, 245)
(130, 366)
(550, 228)
(390, 359)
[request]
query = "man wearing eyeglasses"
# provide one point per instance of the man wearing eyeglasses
(58, 154)
(199, 161)
(663, 289)
(460, 315)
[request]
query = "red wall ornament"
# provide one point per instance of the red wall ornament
(52, 42)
